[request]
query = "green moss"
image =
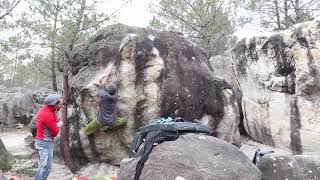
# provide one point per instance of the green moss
(31, 172)
(6, 165)
(26, 156)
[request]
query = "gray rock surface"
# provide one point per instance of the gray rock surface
(5, 158)
(222, 66)
(193, 156)
(279, 77)
(278, 167)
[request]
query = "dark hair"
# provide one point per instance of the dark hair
(111, 89)
(59, 103)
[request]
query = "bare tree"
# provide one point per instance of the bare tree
(43, 21)
(66, 69)
(76, 30)
(281, 14)
(53, 46)
(206, 23)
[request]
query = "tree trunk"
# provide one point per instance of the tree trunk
(14, 70)
(38, 79)
(277, 14)
(286, 15)
(53, 50)
(297, 10)
(65, 128)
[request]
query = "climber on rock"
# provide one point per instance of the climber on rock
(107, 115)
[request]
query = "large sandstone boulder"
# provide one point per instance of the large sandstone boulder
(279, 78)
(18, 106)
(276, 167)
(158, 74)
(193, 156)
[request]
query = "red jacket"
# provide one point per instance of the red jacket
(47, 120)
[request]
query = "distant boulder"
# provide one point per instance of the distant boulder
(18, 106)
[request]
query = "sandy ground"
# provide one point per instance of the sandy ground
(15, 143)
(17, 146)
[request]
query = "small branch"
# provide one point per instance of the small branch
(183, 20)
(13, 6)
(107, 18)
(39, 69)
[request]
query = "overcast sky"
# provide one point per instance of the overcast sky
(130, 12)
(134, 13)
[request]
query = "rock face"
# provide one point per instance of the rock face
(18, 106)
(223, 68)
(158, 74)
(1, 174)
(290, 167)
(279, 78)
(193, 156)
(5, 158)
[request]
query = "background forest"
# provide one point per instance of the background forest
(37, 36)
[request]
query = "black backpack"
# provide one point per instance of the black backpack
(33, 126)
(259, 153)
